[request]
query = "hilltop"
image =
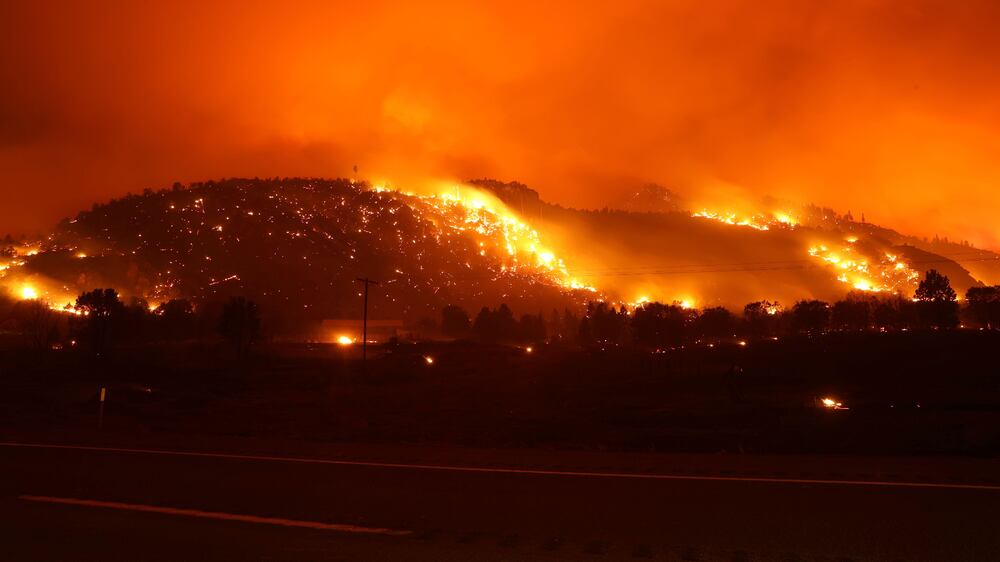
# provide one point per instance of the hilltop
(295, 245)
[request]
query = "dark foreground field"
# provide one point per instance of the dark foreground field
(904, 393)
(461, 451)
(153, 498)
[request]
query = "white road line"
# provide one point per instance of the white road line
(339, 527)
(529, 471)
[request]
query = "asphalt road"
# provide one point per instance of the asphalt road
(89, 504)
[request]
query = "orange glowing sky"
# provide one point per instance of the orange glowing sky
(891, 108)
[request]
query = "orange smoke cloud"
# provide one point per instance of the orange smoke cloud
(883, 107)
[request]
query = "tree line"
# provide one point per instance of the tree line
(935, 306)
(100, 319)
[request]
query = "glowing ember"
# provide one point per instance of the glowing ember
(428, 359)
(833, 404)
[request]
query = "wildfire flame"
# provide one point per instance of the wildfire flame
(758, 221)
(683, 302)
(497, 230)
(833, 404)
(887, 273)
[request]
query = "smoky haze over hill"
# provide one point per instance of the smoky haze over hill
(298, 245)
(888, 105)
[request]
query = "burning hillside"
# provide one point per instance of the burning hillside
(297, 245)
(712, 255)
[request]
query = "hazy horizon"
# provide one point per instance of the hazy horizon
(883, 108)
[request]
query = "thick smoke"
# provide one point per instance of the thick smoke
(883, 107)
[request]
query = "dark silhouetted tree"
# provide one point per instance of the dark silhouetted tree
(554, 327)
(715, 322)
(937, 303)
(496, 325)
(135, 323)
(240, 323)
(7, 304)
(455, 321)
(585, 334)
(506, 324)
(175, 320)
(483, 327)
(606, 324)
(894, 313)
(657, 324)
(810, 316)
(853, 312)
(37, 323)
(761, 317)
(935, 287)
(570, 324)
(531, 328)
(102, 309)
(984, 306)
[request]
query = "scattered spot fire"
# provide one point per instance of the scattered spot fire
(758, 221)
(882, 273)
(862, 267)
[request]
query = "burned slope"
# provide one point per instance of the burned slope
(296, 245)
(708, 258)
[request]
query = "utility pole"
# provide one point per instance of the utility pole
(100, 408)
(364, 321)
